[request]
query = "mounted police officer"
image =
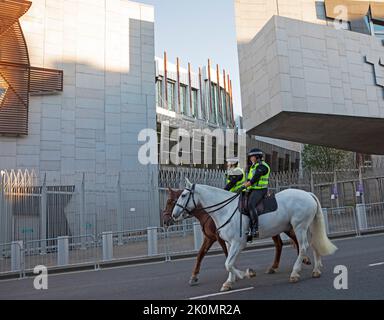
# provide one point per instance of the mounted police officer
(256, 185)
(235, 176)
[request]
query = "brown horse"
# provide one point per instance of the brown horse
(211, 236)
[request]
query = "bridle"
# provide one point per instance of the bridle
(191, 195)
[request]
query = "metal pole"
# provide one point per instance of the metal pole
(312, 183)
(43, 216)
(3, 220)
(82, 212)
(119, 213)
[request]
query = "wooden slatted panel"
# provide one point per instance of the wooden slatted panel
(45, 81)
(14, 68)
(13, 48)
(14, 109)
(11, 11)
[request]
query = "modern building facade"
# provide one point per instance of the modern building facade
(103, 53)
(188, 99)
(308, 78)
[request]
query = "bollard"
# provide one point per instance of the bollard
(107, 246)
(152, 241)
(325, 214)
(361, 217)
(16, 255)
(197, 235)
(62, 251)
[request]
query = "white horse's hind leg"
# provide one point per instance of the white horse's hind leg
(301, 234)
(318, 264)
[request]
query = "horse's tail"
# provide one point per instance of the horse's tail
(320, 240)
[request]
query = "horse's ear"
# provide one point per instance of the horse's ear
(188, 183)
(170, 191)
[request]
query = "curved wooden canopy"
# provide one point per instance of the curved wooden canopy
(17, 78)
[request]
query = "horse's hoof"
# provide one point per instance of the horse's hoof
(250, 273)
(307, 261)
(226, 287)
(294, 279)
(194, 281)
(271, 271)
(316, 274)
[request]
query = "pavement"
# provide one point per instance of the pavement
(362, 256)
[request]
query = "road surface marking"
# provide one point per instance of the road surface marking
(377, 264)
(221, 293)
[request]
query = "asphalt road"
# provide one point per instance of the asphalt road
(364, 258)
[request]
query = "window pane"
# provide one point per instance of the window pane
(361, 26)
(171, 96)
(159, 100)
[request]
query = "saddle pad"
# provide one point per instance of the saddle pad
(267, 205)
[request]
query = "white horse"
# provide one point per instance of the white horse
(296, 208)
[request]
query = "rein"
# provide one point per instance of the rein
(221, 205)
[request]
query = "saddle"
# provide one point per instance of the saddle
(266, 205)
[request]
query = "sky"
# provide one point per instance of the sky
(197, 30)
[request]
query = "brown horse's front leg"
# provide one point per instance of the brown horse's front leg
(292, 235)
(207, 244)
(278, 248)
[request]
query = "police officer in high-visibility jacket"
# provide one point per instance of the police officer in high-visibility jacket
(257, 186)
(235, 177)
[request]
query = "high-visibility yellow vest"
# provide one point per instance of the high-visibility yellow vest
(264, 180)
(238, 184)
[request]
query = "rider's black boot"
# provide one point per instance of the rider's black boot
(255, 224)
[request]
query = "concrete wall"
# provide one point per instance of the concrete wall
(106, 50)
(309, 82)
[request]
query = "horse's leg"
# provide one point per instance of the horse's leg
(207, 244)
(278, 248)
(223, 245)
(291, 234)
(316, 273)
(234, 251)
(301, 234)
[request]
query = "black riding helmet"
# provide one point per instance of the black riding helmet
(255, 152)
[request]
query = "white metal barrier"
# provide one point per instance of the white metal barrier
(18, 257)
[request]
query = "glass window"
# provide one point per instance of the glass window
(361, 25)
(171, 95)
(159, 98)
(223, 106)
(378, 28)
(183, 100)
(214, 102)
(194, 103)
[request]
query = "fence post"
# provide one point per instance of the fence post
(43, 216)
(197, 235)
(3, 220)
(312, 183)
(62, 251)
(82, 211)
(152, 241)
(107, 246)
(119, 213)
(16, 255)
(325, 214)
(361, 214)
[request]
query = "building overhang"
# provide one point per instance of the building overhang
(362, 134)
